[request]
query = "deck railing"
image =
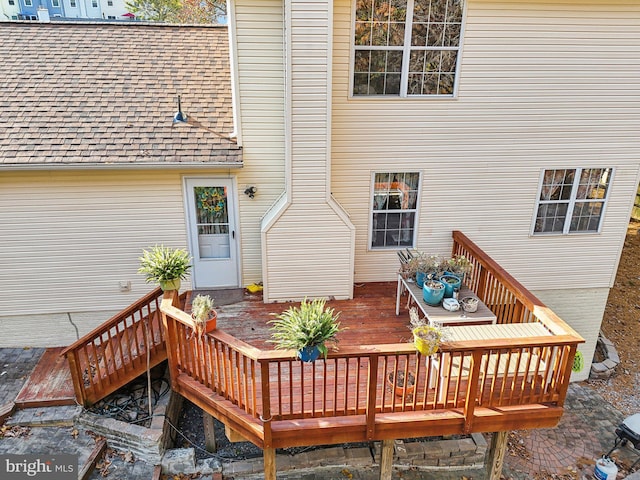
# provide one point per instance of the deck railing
(119, 350)
(479, 385)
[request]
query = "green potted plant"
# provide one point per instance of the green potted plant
(204, 316)
(306, 329)
(165, 266)
(458, 265)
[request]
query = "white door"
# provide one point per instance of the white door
(212, 232)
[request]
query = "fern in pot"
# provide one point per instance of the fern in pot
(165, 266)
(307, 329)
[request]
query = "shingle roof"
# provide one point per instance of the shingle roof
(105, 94)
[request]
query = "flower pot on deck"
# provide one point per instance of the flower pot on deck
(433, 292)
(309, 354)
(451, 282)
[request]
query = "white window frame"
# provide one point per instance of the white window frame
(416, 211)
(94, 3)
(572, 202)
(28, 3)
(55, 3)
(406, 49)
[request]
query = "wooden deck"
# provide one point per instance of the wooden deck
(474, 384)
(49, 384)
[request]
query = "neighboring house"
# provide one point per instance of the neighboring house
(9, 9)
(365, 128)
(29, 9)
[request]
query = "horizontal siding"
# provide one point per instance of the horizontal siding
(542, 85)
(259, 30)
(70, 238)
(583, 310)
(308, 244)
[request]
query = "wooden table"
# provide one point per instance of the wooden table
(438, 315)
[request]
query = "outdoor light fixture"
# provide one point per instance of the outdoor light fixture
(179, 117)
(251, 191)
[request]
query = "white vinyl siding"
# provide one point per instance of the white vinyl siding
(307, 238)
(583, 310)
(529, 99)
(258, 29)
(69, 239)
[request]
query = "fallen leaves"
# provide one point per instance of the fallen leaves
(14, 432)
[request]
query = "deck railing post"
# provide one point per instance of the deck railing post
(371, 396)
(268, 450)
(171, 339)
(472, 389)
(76, 376)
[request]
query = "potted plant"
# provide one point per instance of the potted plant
(165, 266)
(451, 282)
(433, 292)
(306, 328)
(458, 265)
(400, 385)
(203, 314)
(421, 266)
(426, 338)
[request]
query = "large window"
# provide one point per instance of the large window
(572, 200)
(394, 203)
(406, 47)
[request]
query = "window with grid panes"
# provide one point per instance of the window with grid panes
(394, 209)
(572, 200)
(406, 47)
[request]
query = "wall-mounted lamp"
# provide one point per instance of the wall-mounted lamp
(251, 191)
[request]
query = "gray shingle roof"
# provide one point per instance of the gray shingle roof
(81, 94)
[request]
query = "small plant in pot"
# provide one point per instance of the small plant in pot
(433, 292)
(420, 266)
(458, 265)
(426, 338)
(165, 266)
(400, 385)
(307, 329)
(204, 316)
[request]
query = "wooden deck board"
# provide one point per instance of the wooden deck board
(49, 384)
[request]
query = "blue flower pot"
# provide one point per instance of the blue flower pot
(433, 296)
(451, 282)
(309, 354)
(420, 276)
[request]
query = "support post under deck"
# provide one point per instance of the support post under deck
(496, 454)
(386, 460)
(269, 463)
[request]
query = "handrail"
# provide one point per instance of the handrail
(463, 245)
(118, 350)
(273, 386)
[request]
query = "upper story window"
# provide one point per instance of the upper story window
(394, 209)
(28, 3)
(110, 3)
(73, 4)
(55, 3)
(407, 47)
(572, 200)
(94, 3)
(12, 2)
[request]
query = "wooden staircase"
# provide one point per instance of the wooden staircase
(119, 350)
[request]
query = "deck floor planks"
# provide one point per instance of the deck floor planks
(49, 384)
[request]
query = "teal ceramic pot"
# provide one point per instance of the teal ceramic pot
(433, 296)
(309, 354)
(420, 278)
(451, 282)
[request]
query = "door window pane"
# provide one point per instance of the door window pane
(212, 218)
